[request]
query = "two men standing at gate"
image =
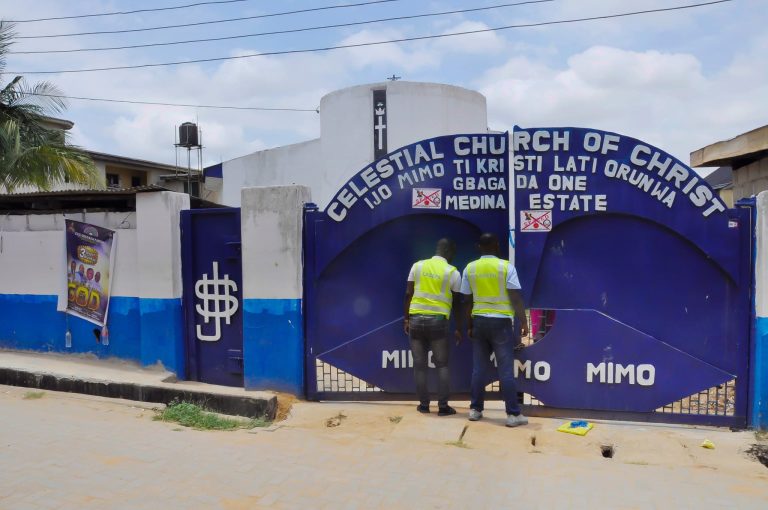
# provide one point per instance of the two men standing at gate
(492, 300)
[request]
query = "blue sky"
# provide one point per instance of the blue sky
(679, 80)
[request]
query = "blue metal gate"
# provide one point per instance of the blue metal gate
(642, 275)
(212, 274)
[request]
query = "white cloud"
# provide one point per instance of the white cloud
(290, 81)
(412, 57)
(149, 133)
(481, 43)
(709, 87)
(663, 98)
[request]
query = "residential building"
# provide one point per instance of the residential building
(121, 172)
(746, 154)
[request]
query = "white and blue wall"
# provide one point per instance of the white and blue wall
(273, 333)
(759, 354)
(161, 318)
(145, 316)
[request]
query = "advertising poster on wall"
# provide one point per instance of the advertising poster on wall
(89, 270)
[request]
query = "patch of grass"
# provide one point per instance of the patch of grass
(34, 395)
(395, 419)
(761, 435)
(257, 423)
(194, 416)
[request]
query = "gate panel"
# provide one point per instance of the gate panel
(647, 272)
(359, 252)
(212, 272)
(367, 311)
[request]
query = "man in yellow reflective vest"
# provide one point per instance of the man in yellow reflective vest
(432, 285)
(492, 300)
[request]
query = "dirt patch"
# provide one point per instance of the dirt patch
(285, 402)
(335, 421)
(244, 503)
(460, 441)
(759, 452)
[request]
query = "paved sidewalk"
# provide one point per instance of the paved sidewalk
(67, 451)
(117, 378)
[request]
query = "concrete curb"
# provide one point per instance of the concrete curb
(225, 404)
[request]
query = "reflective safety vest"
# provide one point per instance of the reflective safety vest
(432, 287)
(488, 281)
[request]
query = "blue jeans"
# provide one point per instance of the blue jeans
(493, 335)
(430, 332)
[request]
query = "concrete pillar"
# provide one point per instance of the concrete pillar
(759, 361)
(159, 273)
(273, 333)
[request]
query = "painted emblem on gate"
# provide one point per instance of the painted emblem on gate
(217, 302)
(427, 198)
(535, 221)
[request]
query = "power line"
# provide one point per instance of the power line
(289, 31)
(211, 22)
(376, 43)
(120, 13)
(153, 103)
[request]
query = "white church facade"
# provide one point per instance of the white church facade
(357, 125)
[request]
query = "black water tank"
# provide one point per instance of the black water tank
(188, 135)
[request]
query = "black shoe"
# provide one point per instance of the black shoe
(423, 408)
(446, 411)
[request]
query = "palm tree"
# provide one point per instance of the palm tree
(31, 153)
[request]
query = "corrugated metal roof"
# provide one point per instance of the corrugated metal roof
(143, 163)
(98, 199)
(720, 178)
(80, 192)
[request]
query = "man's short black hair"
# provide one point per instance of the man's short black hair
(446, 246)
(488, 240)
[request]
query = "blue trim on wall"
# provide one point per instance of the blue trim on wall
(759, 384)
(273, 345)
(162, 334)
(31, 322)
(216, 170)
(141, 330)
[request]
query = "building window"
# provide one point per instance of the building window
(113, 181)
(135, 182)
